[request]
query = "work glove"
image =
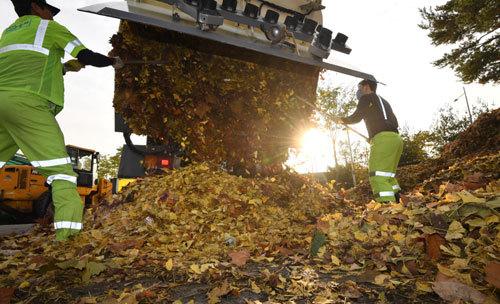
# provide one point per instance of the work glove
(72, 66)
(118, 64)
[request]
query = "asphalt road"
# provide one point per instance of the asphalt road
(15, 229)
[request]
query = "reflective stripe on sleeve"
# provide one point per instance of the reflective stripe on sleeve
(40, 33)
(72, 45)
(68, 225)
(52, 162)
(396, 187)
(386, 193)
(65, 177)
(24, 47)
(381, 173)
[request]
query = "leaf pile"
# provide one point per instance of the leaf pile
(453, 232)
(482, 136)
(188, 221)
(199, 234)
(218, 109)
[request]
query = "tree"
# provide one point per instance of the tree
(416, 146)
(331, 103)
(108, 165)
(450, 123)
(472, 26)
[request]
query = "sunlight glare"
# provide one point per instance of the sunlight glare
(315, 153)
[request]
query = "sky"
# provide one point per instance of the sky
(384, 36)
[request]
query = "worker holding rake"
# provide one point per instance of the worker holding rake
(32, 94)
(386, 144)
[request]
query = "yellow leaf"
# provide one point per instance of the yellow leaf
(360, 236)
(492, 219)
(467, 197)
(455, 231)
(452, 198)
(24, 284)
(423, 286)
(205, 267)
(335, 261)
(446, 271)
(195, 268)
(255, 288)
(478, 222)
(451, 251)
(382, 279)
(459, 264)
(169, 264)
(398, 237)
(321, 252)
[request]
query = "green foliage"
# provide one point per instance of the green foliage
(334, 102)
(450, 123)
(342, 175)
(108, 165)
(472, 27)
(416, 146)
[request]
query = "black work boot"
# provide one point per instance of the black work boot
(398, 197)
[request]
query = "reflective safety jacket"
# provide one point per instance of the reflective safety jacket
(31, 50)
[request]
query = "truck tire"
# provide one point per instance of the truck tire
(43, 207)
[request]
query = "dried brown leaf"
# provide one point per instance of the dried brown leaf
(450, 289)
(433, 243)
(239, 258)
(492, 272)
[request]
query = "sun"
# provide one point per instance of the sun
(316, 142)
(315, 153)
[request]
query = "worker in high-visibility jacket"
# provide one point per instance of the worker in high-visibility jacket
(32, 94)
(386, 144)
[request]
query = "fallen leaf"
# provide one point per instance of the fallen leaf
(335, 260)
(360, 236)
(318, 241)
(452, 198)
(455, 231)
(120, 247)
(195, 268)
(215, 294)
(92, 269)
(382, 279)
(467, 197)
(492, 271)
(285, 251)
(478, 222)
(423, 286)
(169, 264)
(87, 300)
(239, 258)
(255, 287)
(450, 289)
(433, 243)
(6, 294)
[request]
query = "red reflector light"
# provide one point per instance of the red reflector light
(165, 162)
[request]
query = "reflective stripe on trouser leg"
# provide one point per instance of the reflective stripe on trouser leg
(51, 162)
(67, 202)
(384, 158)
(382, 189)
(33, 128)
